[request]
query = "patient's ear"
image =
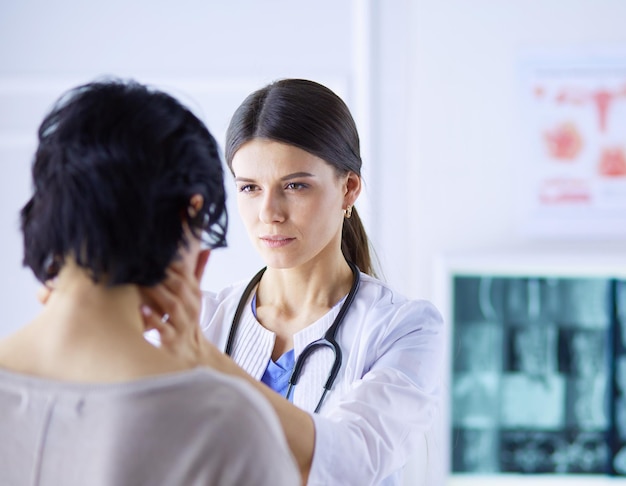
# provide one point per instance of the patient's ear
(195, 204)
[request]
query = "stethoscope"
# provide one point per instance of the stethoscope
(328, 340)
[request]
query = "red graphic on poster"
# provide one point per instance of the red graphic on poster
(564, 191)
(563, 142)
(612, 162)
(601, 98)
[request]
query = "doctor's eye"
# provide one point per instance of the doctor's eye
(295, 185)
(247, 188)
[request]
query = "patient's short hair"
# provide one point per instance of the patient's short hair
(116, 166)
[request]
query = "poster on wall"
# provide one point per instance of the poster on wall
(572, 163)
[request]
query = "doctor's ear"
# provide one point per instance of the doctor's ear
(352, 188)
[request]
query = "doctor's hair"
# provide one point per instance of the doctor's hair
(116, 166)
(311, 117)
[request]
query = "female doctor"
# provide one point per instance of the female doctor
(367, 360)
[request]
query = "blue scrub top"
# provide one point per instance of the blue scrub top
(277, 373)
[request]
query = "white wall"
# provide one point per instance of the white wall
(465, 138)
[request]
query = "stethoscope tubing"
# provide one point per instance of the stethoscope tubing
(328, 340)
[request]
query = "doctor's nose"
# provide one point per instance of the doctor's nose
(272, 209)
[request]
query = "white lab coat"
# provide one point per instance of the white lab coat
(386, 395)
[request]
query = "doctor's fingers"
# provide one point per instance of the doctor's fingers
(153, 320)
(186, 289)
(176, 304)
(166, 307)
(183, 347)
(184, 285)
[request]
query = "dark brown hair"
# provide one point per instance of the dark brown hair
(309, 116)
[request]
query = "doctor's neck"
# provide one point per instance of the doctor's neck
(317, 284)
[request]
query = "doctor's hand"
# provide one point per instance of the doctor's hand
(173, 309)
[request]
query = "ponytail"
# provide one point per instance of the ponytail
(355, 244)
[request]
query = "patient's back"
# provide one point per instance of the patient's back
(191, 428)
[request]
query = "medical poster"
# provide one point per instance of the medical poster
(573, 155)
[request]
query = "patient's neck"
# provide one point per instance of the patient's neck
(86, 332)
(79, 305)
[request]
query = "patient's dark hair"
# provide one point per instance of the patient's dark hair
(113, 175)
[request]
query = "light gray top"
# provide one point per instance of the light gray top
(197, 427)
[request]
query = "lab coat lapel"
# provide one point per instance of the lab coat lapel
(253, 345)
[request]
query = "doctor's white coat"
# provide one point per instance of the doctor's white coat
(387, 393)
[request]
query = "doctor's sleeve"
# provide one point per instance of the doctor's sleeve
(376, 425)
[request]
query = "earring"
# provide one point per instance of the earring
(347, 212)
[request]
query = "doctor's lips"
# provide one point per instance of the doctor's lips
(276, 241)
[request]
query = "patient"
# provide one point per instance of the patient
(125, 181)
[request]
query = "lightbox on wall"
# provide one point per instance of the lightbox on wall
(572, 157)
(536, 368)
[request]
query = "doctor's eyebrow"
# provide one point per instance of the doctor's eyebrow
(295, 175)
